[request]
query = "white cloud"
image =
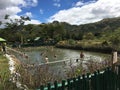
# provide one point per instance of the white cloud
(13, 10)
(13, 7)
(56, 0)
(9, 3)
(79, 3)
(14, 17)
(31, 2)
(89, 12)
(41, 11)
(32, 22)
(57, 4)
(29, 14)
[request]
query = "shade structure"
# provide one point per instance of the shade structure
(2, 40)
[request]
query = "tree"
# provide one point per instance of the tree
(17, 25)
(115, 39)
(88, 36)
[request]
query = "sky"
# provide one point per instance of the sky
(75, 12)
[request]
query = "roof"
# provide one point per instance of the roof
(2, 40)
(37, 38)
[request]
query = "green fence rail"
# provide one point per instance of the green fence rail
(99, 80)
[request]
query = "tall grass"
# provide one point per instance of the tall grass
(5, 82)
(88, 45)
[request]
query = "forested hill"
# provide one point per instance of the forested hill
(59, 30)
(104, 25)
(101, 26)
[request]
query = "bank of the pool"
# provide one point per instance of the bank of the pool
(102, 49)
(5, 75)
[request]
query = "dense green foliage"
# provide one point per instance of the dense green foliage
(14, 29)
(106, 31)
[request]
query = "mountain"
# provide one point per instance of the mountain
(105, 25)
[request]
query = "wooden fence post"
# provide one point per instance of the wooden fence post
(114, 57)
(56, 85)
(108, 78)
(75, 84)
(97, 81)
(93, 81)
(79, 83)
(68, 81)
(41, 87)
(99, 76)
(87, 82)
(83, 82)
(49, 86)
(63, 85)
(119, 77)
(103, 81)
(114, 60)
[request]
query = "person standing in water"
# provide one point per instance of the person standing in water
(46, 59)
(81, 55)
(55, 56)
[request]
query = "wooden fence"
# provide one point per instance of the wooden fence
(106, 79)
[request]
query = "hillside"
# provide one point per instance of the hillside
(101, 26)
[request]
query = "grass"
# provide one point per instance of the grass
(5, 83)
(89, 45)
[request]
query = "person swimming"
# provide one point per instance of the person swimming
(55, 56)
